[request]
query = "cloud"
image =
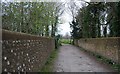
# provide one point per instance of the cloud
(64, 28)
(66, 18)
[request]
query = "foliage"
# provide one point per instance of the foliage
(114, 10)
(98, 20)
(49, 64)
(57, 41)
(113, 64)
(65, 41)
(39, 18)
(76, 30)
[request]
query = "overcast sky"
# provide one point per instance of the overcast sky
(66, 17)
(65, 27)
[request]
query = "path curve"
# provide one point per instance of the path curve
(72, 59)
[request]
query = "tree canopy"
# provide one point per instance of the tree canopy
(98, 19)
(38, 18)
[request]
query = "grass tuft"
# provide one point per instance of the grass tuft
(114, 65)
(65, 41)
(48, 67)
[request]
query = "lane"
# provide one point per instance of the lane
(72, 59)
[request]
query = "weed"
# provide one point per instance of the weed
(65, 41)
(48, 67)
(114, 65)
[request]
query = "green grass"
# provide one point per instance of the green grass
(65, 41)
(48, 67)
(114, 65)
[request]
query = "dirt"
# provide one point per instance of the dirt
(72, 59)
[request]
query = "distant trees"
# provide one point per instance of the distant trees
(114, 11)
(95, 19)
(76, 30)
(38, 18)
(99, 20)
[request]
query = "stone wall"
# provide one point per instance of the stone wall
(107, 47)
(23, 52)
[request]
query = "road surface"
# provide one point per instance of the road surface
(72, 59)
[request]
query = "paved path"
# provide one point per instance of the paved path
(72, 59)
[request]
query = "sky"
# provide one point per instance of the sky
(64, 28)
(66, 18)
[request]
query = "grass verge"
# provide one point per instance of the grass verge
(114, 65)
(65, 41)
(48, 67)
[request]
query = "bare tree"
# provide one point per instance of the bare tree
(71, 9)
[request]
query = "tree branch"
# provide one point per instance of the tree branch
(108, 21)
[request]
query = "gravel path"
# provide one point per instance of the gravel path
(72, 59)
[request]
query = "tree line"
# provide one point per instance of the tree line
(38, 18)
(97, 19)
